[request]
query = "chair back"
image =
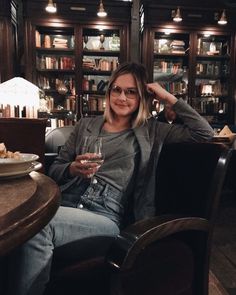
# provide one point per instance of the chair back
(24, 135)
(190, 178)
(57, 138)
(54, 140)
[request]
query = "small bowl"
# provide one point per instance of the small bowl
(14, 165)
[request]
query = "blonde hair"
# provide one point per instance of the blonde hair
(138, 71)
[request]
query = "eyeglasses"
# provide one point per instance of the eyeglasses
(130, 93)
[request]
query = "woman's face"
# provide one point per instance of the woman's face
(124, 98)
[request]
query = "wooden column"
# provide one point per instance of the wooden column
(135, 36)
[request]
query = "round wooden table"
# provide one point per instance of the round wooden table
(26, 205)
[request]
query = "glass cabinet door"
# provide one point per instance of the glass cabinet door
(212, 77)
(171, 62)
(101, 56)
(55, 73)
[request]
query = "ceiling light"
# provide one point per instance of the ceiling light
(223, 19)
(177, 16)
(101, 11)
(51, 7)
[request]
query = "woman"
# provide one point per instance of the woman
(91, 209)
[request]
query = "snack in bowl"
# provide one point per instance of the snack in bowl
(4, 153)
(15, 161)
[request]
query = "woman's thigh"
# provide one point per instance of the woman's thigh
(72, 224)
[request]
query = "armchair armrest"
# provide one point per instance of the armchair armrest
(132, 240)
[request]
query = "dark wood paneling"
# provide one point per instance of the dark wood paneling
(117, 11)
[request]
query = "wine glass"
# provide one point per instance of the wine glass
(97, 151)
(102, 40)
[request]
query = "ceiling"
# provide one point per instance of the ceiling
(223, 3)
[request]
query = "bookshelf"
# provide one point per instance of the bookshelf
(71, 63)
(55, 73)
(170, 62)
(194, 65)
(212, 76)
(100, 56)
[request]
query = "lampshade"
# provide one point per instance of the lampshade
(177, 17)
(101, 11)
(51, 7)
(223, 19)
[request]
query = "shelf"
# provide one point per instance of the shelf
(97, 73)
(70, 55)
(94, 92)
(170, 55)
(56, 71)
(55, 50)
(212, 57)
(210, 77)
(189, 62)
(101, 53)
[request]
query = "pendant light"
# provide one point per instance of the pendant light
(51, 7)
(101, 11)
(223, 19)
(177, 16)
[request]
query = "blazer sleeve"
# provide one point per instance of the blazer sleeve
(194, 129)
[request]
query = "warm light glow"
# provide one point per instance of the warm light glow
(51, 7)
(22, 93)
(223, 19)
(167, 31)
(101, 11)
(100, 27)
(177, 17)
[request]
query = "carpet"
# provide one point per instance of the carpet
(215, 287)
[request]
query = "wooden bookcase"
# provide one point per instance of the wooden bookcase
(9, 46)
(194, 60)
(71, 60)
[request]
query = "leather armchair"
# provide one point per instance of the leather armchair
(166, 255)
(54, 140)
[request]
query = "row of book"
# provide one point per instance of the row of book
(167, 67)
(169, 46)
(213, 69)
(175, 87)
(212, 107)
(11, 111)
(56, 122)
(55, 63)
(52, 41)
(93, 103)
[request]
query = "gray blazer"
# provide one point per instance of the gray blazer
(194, 129)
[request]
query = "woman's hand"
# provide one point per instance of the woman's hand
(161, 94)
(82, 167)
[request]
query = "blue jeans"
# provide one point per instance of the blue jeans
(30, 264)
(102, 198)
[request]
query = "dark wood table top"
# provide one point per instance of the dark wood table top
(26, 205)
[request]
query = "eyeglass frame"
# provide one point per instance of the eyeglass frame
(117, 94)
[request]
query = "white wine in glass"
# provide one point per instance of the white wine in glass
(98, 157)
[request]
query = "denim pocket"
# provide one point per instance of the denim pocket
(94, 194)
(112, 198)
(104, 199)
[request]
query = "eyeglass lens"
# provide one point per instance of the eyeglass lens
(129, 92)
